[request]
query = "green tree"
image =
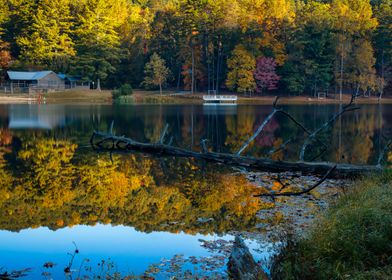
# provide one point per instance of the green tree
(362, 74)
(47, 41)
(309, 65)
(241, 65)
(382, 43)
(96, 38)
(351, 18)
(156, 72)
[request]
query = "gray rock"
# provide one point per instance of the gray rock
(241, 265)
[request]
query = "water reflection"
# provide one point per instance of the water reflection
(50, 177)
(132, 251)
(226, 127)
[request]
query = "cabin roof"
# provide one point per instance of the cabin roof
(69, 78)
(27, 76)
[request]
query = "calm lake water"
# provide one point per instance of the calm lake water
(136, 210)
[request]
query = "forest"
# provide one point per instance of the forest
(248, 46)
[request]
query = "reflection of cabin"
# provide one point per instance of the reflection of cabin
(73, 81)
(40, 81)
(36, 117)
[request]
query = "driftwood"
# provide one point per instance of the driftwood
(102, 141)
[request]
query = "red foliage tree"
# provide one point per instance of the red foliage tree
(265, 74)
(5, 58)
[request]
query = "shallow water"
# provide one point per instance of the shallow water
(139, 209)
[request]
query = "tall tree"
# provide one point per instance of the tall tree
(309, 64)
(362, 74)
(48, 40)
(351, 17)
(241, 66)
(383, 45)
(21, 13)
(96, 38)
(156, 72)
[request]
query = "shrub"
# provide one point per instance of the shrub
(124, 90)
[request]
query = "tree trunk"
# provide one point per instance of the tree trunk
(98, 84)
(341, 72)
(382, 77)
(193, 71)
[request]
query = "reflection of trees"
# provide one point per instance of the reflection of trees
(357, 133)
(239, 129)
(43, 183)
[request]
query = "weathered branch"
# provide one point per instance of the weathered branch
(163, 135)
(301, 192)
(283, 185)
(258, 131)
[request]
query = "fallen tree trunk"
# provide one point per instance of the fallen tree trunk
(109, 142)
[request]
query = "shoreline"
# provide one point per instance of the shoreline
(142, 97)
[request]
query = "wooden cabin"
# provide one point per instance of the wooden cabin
(39, 81)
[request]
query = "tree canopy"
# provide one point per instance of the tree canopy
(211, 45)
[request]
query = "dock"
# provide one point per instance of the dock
(220, 99)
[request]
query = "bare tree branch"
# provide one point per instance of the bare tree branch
(301, 192)
(163, 134)
(258, 131)
(261, 127)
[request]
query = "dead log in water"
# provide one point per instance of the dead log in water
(108, 142)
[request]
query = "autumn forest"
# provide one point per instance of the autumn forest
(249, 46)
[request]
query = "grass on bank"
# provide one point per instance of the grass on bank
(352, 241)
(79, 96)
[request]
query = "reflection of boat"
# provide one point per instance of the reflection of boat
(220, 99)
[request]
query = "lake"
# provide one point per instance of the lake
(134, 212)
